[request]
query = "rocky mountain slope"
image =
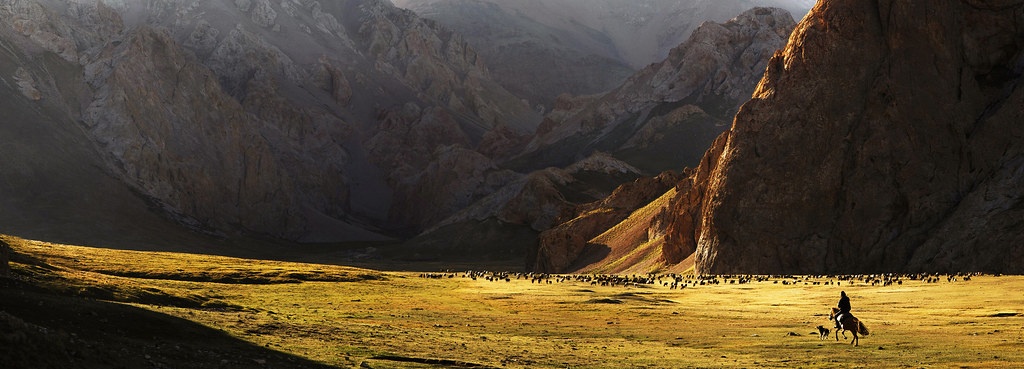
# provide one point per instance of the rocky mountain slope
(508, 220)
(52, 182)
(661, 119)
(539, 49)
(667, 114)
(297, 119)
(885, 137)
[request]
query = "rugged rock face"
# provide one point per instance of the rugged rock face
(547, 197)
(678, 221)
(561, 246)
(259, 116)
(148, 149)
(663, 117)
(886, 137)
(667, 114)
(454, 179)
(539, 49)
(641, 123)
(907, 122)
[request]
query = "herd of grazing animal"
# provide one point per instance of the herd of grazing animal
(681, 281)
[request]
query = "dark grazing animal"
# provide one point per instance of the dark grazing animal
(822, 333)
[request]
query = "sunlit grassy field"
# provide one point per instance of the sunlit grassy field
(347, 317)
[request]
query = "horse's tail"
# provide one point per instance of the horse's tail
(862, 329)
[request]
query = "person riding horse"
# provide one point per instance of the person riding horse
(844, 307)
(846, 321)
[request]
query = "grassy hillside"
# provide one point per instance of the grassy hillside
(83, 307)
(628, 248)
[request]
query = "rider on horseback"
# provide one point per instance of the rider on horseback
(844, 307)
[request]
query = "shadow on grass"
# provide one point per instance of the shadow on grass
(39, 329)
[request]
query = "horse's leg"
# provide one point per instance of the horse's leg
(856, 338)
(837, 334)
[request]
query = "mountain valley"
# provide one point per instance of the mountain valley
(205, 125)
(438, 184)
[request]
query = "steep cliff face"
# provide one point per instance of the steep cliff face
(560, 248)
(662, 118)
(885, 137)
(55, 183)
(151, 74)
(259, 116)
(667, 114)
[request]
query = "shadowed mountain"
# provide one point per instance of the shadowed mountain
(321, 122)
(539, 49)
(885, 137)
(298, 120)
(666, 115)
(661, 119)
(53, 184)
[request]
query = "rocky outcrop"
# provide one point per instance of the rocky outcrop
(642, 124)
(560, 247)
(438, 63)
(720, 61)
(27, 84)
(894, 156)
(333, 80)
(679, 220)
(454, 178)
(540, 49)
(433, 172)
(255, 116)
(666, 115)
(658, 120)
(544, 198)
(150, 150)
(885, 137)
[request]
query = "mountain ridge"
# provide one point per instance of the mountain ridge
(656, 122)
(895, 150)
(261, 126)
(540, 48)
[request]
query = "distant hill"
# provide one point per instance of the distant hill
(539, 49)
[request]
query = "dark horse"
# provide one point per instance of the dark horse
(849, 323)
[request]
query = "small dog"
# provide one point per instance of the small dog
(823, 333)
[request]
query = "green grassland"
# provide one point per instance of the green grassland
(69, 306)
